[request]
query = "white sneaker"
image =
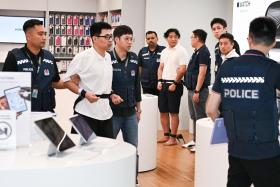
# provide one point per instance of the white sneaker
(189, 145)
(192, 149)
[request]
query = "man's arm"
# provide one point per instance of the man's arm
(181, 70)
(212, 105)
(201, 76)
(159, 73)
(58, 85)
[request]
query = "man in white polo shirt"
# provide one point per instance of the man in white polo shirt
(171, 70)
(93, 70)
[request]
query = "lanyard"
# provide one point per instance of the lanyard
(126, 61)
(39, 61)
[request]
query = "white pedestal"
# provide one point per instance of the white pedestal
(211, 161)
(147, 133)
(103, 163)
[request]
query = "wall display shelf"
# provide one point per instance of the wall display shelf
(69, 33)
(115, 17)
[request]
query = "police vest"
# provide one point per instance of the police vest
(41, 78)
(124, 80)
(150, 63)
(192, 72)
(248, 103)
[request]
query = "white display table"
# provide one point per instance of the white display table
(211, 161)
(103, 163)
(147, 133)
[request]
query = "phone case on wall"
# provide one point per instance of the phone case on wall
(63, 30)
(57, 30)
(69, 30)
(87, 20)
(69, 20)
(81, 20)
(63, 19)
(75, 20)
(57, 19)
(51, 30)
(51, 19)
(81, 30)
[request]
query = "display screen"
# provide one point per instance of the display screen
(15, 101)
(82, 127)
(55, 133)
(11, 31)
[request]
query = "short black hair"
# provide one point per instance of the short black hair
(151, 32)
(228, 36)
(201, 34)
(31, 23)
(122, 30)
(220, 21)
(96, 28)
(166, 34)
(262, 30)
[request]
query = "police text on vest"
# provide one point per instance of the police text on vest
(241, 94)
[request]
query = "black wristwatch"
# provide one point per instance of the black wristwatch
(195, 91)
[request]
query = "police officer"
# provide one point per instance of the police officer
(149, 60)
(126, 95)
(246, 88)
(32, 58)
(197, 80)
(219, 26)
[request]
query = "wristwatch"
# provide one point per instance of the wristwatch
(196, 91)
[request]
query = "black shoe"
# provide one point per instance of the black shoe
(180, 137)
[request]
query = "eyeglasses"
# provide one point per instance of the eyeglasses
(107, 36)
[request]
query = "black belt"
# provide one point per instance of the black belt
(164, 81)
(104, 96)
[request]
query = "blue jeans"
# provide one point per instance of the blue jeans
(129, 127)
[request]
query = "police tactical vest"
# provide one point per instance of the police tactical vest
(192, 72)
(150, 64)
(248, 102)
(124, 80)
(41, 78)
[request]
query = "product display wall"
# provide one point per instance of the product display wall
(69, 34)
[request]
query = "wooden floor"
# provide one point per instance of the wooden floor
(175, 167)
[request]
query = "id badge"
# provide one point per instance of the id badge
(34, 93)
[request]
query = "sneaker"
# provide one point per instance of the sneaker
(189, 145)
(192, 149)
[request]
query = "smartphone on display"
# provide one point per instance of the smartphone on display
(15, 101)
(55, 134)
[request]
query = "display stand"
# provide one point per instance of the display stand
(104, 162)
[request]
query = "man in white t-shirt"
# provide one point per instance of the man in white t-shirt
(93, 70)
(171, 70)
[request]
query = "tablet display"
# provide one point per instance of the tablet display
(15, 101)
(82, 127)
(55, 134)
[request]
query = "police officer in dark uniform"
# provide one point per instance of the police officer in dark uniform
(149, 60)
(246, 88)
(219, 26)
(32, 58)
(126, 89)
(197, 79)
